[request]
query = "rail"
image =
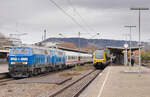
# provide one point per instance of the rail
(76, 87)
(4, 75)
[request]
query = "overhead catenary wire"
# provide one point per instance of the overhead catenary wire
(72, 18)
(81, 17)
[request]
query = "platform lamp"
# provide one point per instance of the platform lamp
(79, 34)
(126, 54)
(139, 9)
(98, 33)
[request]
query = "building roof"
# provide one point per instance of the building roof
(4, 51)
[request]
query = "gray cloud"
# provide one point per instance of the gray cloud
(106, 16)
(97, 4)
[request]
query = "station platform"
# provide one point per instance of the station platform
(3, 68)
(118, 81)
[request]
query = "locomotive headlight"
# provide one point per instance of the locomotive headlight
(24, 62)
(24, 59)
(12, 62)
(13, 58)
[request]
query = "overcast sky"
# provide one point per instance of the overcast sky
(105, 16)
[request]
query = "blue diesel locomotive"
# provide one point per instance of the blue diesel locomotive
(29, 61)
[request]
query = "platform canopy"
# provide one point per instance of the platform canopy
(121, 48)
(118, 52)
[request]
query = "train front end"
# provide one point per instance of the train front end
(99, 59)
(19, 62)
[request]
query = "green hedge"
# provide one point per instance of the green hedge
(145, 56)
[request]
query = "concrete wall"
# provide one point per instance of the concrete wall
(3, 58)
(3, 61)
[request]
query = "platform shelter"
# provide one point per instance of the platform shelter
(118, 53)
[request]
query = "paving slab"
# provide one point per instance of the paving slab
(115, 81)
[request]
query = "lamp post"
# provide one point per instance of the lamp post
(79, 46)
(126, 47)
(130, 43)
(98, 33)
(126, 53)
(139, 9)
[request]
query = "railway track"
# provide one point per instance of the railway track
(4, 75)
(5, 78)
(5, 81)
(75, 88)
